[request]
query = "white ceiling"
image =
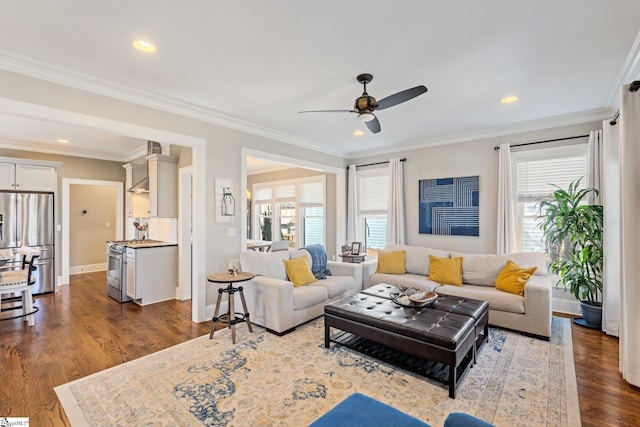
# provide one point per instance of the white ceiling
(254, 64)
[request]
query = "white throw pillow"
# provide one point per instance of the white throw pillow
(416, 258)
(268, 264)
(297, 253)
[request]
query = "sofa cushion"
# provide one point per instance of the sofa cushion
(447, 271)
(308, 296)
(498, 300)
(268, 264)
(335, 285)
(404, 281)
(480, 269)
(483, 269)
(416, 257)
(391, 262)
(530, 259)
(512, 278)
(299, 271)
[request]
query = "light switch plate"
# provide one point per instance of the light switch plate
(231, 231)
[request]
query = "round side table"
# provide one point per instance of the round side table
(231, 317)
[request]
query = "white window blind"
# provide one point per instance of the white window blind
(262, 193)
(536, 172)
(535, 177)
(285, 191)
(374, 194)
(373, 202)
(312, 193)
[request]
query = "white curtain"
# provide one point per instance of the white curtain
(630, 231)
(395, 215)
(610, 198)
(594, 165)
(353, 223)
(506, 226)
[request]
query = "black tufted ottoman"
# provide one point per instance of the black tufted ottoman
(477, 309)
(383, 329)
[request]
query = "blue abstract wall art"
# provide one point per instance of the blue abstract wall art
(449, 206)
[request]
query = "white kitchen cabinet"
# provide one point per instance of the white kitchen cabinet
(136, 204)
(28, 177)
(163, 186)
(152, 273)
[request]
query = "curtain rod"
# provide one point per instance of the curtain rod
(404, 159)
(542, 142)
(633, 87)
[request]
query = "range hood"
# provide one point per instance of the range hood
(142, 186)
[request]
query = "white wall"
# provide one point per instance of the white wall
(464, 159)
(222, 154)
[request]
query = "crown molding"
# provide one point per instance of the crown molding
(630, 71)
(43, 71)
(38, 148)
(511, 129)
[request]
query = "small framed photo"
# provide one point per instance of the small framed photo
(355, 248)
(346, 250)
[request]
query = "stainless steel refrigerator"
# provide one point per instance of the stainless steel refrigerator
(26, 219)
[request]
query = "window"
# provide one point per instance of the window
(535, 171)
(290, 210)
(373, 203)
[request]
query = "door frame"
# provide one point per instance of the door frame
(185, 212)
(66, 202)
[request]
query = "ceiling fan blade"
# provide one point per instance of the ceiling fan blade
(327, 111)
(373, 125)
(400, 97)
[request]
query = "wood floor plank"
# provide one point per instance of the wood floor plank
(80, 331)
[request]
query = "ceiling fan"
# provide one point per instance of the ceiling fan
(365, 104)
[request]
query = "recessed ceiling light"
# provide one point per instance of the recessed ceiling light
(509, 99)
(358, 133)
(62, 141)
(144, 46)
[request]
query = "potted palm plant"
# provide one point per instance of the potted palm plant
(572, 229)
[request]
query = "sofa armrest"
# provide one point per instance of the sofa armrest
(537, 306)
(369, 267)
(338, 268)
(274, 302)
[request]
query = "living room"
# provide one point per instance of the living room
(37, 84)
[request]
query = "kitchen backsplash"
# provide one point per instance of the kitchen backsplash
(164, 229)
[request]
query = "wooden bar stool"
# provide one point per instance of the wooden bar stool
(231, 317)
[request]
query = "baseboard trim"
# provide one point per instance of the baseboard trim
(566, 306)
(89, 268)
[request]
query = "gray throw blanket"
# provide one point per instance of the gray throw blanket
(318, 261)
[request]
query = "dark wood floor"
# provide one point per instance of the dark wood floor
(79, 331)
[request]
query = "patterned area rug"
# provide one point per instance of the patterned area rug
(265, 380)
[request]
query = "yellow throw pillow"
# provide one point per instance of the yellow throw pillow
(391, 262)
(447, 271)
(299, 271)
(512, 278)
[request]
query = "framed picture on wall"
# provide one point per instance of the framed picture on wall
(355, 248)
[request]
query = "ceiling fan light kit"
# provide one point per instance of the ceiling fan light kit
(365, 104)
(366, 117)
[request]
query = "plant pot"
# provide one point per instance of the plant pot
(592, 315)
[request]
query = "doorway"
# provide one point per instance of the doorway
(66, 217)
(92, 219)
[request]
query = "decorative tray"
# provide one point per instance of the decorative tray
(414, 298)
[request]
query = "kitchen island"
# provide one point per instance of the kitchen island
(151, 271)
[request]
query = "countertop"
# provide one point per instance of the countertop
(141, 243)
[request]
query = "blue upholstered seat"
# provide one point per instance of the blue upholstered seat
(359, 410)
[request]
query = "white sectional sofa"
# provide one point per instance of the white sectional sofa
(274, 302)
(530, 313)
